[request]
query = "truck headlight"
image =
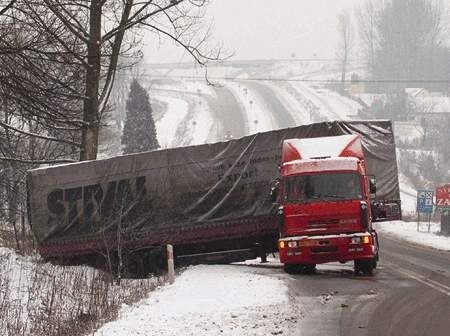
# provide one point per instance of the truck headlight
(360, 240)
(356, 240)
(292, 244)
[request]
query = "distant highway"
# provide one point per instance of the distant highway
(280, 114)
(227, 113)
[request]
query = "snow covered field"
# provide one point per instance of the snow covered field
(408, 231)
(38, 298)
(212, 300)
(408, 196)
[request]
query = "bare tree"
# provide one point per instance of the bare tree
(58, 63)
(39, 109)
(367, 16)
(345, 41)
(38, 83)
(100, 31)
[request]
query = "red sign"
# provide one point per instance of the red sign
(443, 196)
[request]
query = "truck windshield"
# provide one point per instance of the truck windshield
(316, 187)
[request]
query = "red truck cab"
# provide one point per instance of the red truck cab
(324, 205)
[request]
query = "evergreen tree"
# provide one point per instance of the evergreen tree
(139, 132)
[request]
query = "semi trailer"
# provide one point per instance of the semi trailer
(211, 201)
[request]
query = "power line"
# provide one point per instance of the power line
(306, 80)
(181, 65)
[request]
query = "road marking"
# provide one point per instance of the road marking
(428, 282)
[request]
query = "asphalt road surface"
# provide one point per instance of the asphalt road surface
(279, 112)
(409, 294)
(228, 112)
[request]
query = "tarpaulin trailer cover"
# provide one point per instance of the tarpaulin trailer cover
(182, 195)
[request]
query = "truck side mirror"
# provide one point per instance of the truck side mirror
(372, 184)
(274, 191)
(273, 194)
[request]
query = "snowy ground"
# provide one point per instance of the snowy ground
(408, 196)
(238, 299)
(38, 298)
(408, 231)
(205, 300)
(212, 300)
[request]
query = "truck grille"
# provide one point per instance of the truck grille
(324, 249)
(321, 223)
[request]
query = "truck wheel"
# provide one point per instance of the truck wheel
(308, 269)
(364, 266)
(375, 261)
(291, 268)
(300, 268)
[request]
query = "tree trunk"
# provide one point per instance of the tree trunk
(91, 114)
(13, 202)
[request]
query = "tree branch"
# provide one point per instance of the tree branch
(136, 19)
(7, 7)
(10, 159)
(38, 135)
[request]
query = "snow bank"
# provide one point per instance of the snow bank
(408, 195)
(408, 130)
(211, 300)
(166, 127)
(408, 231)
(15, 278)
(38, 298)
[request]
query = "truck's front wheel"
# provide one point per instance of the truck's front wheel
(290, 268)
(308, 269)
(300, 268)
(375, 261)
(364, 266)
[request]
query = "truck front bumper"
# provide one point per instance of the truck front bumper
(327, 248)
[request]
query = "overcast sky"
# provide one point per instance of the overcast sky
(265, 29)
